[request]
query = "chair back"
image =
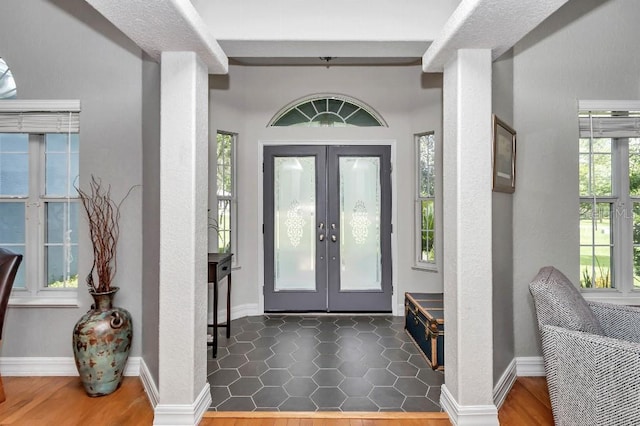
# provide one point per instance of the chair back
(559, 303)
(9, 263)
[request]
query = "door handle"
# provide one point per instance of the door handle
(334, 238)
(321, 237)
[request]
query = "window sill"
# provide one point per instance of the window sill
(425, 267)
(43, 302)
(613, 297)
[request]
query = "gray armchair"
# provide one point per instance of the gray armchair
(591, 354)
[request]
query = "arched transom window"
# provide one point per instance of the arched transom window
(327, 110)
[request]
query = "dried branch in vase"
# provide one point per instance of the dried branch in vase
(103, 215)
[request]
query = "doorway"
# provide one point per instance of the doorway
(327, 228)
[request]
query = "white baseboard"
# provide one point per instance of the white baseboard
(149, 384)
(53, 366)
(240, 311)
(463, 415)
(183, 414)
(529, 366)
(505, 383)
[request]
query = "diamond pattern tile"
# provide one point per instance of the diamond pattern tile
(321, 363)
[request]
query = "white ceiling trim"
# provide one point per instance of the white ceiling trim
(165, 26)
(486, 24)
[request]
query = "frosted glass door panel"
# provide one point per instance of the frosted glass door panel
(294, 223)
(360, 251)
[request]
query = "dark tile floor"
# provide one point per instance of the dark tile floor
(321, 363)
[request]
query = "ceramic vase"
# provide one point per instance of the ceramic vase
(101, 344)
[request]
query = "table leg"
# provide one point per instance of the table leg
(229, 306)
(215, 316)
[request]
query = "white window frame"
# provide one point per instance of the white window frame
(622, 208)
(54, 117)
(419, 263)
(233, 200)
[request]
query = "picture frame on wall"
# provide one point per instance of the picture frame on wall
(504, 156)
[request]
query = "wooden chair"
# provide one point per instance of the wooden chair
(9, 263)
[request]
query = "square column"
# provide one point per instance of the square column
(467, 395)
(184, 393)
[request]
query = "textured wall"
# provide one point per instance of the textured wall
(183, 224)
(502, 231)
(586, 50)
(467, 221)
(150, 209)
(63, 49)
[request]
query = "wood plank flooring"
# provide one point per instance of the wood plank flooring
(36, 401)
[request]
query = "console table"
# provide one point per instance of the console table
(219, 267)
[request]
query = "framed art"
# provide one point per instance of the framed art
(504, 156)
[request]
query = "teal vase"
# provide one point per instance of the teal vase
(101, 344)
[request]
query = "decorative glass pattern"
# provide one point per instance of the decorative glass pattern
(294, 223)
(360, 207)
(360, 223)
(328, 111)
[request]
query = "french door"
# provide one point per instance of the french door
(327, 228)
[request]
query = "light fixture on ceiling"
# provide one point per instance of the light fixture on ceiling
(327, 59)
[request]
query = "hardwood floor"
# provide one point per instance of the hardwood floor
(527, 403)
(36, 401)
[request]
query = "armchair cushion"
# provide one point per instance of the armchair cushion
(559, 303)
(618, 321)
(592, 380)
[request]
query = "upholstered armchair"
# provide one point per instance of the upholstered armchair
(591, 354)
(9, 263)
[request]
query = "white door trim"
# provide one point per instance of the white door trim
(394, 241)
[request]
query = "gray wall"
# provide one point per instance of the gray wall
(150, 209)
(247, 99)
(64, 49)
(502, 231)
(586, 50)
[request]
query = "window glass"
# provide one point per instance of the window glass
(609, 188)
(225, 191)
(61, 245)
(427, 237)
(328, 111)
(61, 164)
(50, 247)
(14, 164)
(595, 167)
(425, 213)
(596, 245)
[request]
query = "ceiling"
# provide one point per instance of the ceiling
(350, 32)
(353, 32)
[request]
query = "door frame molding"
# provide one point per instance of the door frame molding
(394, 241)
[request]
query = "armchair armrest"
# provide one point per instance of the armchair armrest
(592, 379)
(618, 321)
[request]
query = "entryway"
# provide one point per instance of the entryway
(327, 228)
(363, 363)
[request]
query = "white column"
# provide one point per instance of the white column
(468, 391)
(184, 393)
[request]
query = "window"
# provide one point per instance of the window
(8, 88)
(38, 201)
(327, 111)
(226, 210)
(425, 200)
(609, 177)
